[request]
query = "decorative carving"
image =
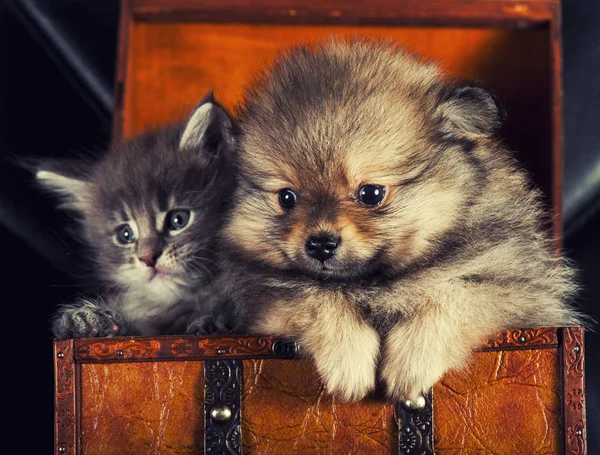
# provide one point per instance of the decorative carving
(576, 439)
(576, 399)
(64, 398)
(573, 340)
(415, 428)
(173, 348)
(222, 407)
(116, 349)
(574, 391)
(522, 338)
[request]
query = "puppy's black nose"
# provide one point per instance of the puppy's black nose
(322, 247)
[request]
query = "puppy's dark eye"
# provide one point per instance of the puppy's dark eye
(125, 234)
(287, 199)
(371, 194)
(178, 219)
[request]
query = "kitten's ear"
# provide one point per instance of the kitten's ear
(73, 189)
(470, 109)
(209, 129)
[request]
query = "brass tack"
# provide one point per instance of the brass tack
(220, 413)
(415, 405)
(576, 349)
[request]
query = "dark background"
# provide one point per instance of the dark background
(57, 64)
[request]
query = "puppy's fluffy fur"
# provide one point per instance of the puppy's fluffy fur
(455, 251)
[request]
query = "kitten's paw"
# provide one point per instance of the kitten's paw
(348, 369)
(88, 320)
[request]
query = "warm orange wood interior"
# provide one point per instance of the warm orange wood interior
(171, 65)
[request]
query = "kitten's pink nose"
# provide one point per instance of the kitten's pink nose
(149, 259)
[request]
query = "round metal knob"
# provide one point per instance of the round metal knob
(415, 405)
(220, 413)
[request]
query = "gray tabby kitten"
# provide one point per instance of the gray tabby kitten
(149, 211)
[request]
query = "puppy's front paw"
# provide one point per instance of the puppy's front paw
(407, 379)
(414, 360)
(88, 320)
(348, 368)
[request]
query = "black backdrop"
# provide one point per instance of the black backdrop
(57, 62)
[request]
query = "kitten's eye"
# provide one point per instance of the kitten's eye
(125, 234)
(287, 199)
(371, 194)
(178, 219)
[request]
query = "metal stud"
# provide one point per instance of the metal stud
(62, 449)
(220, 413)
(522, 339)
(415, 405)
(120, 353)
(60, 355)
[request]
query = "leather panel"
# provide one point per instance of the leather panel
(142, 408)
(506, 403)
(285, 410)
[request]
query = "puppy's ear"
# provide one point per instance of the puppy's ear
(209, 130)
(65, 180)
(468, 109)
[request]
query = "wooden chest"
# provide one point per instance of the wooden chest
(522, 394)
(524, 390)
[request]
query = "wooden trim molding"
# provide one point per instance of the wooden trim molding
(65, 399)
(337, 12)
(93, 350)
(572, 356)
(125, 21)
(522, 339)
(132, 349)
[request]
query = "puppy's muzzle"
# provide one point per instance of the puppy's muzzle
(322, 247)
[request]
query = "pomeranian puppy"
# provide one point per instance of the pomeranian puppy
(380, 222)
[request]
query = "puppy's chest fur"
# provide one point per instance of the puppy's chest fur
(374, 300)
